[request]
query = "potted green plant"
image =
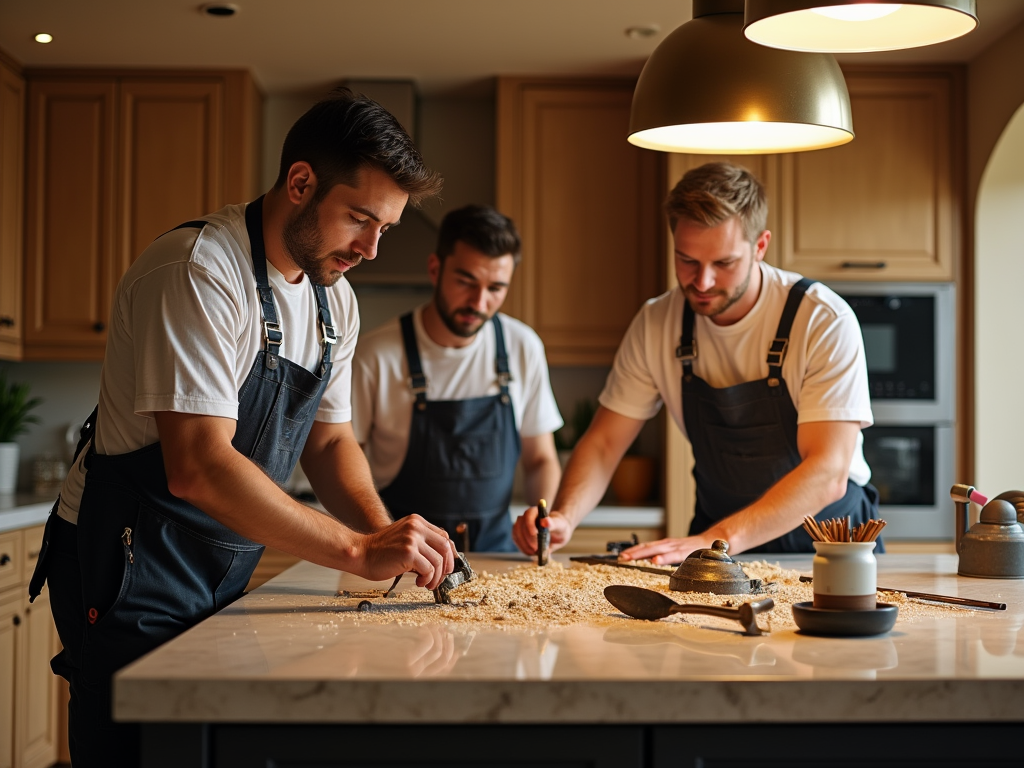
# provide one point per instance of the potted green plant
(15, 418)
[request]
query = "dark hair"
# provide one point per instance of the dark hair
(481, 227)
(345, 132)
(714, 192)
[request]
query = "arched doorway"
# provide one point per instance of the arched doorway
(999, 315)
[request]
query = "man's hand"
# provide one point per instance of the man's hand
(524, 531)
(410, 544)
(665, 550)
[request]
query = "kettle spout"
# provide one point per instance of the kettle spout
(961, 496)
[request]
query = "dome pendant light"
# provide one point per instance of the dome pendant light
(707, 89)
(857, 26)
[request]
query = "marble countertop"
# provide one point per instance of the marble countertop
(279, 655)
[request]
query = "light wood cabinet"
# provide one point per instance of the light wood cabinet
(28, 640)
(886, 206)
(12, 180)
(114, 160)
(587, 204)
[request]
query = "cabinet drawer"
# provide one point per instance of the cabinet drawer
(32, 542)
(10, 559)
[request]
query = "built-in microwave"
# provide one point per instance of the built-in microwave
(909, 332)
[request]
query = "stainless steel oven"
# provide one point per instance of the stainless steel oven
(909, 334)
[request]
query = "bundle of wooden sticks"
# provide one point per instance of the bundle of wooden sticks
(838, 529)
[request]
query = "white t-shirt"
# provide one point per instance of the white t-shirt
(382, 400)
(185, 328)
(825, 369)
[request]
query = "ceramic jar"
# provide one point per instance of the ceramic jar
(845, 575)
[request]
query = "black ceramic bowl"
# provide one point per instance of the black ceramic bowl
(829, 621)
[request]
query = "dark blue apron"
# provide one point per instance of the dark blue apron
(744, 439)
(150, 565)
(461, 457)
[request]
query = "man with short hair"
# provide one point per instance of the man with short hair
(228, 357)
(445, 396)
(762, 370)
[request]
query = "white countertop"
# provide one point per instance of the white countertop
(23, 511)
(286, 653)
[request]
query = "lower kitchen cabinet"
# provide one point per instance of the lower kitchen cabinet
(28, 640)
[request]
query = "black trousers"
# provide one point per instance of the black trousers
(94, 738)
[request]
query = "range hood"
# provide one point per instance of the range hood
(403, 250)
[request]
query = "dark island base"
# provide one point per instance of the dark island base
(947, 745)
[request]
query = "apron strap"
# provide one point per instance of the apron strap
(687, 349)
(328, 336)
(501, 360)
(272, 335)
(417, 381)
(780, 344)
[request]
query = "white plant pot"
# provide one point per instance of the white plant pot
(8, 467)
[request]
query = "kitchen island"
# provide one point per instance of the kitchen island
(289, 676)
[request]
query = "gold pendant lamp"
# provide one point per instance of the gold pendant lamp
(707, 89)
(857, 26)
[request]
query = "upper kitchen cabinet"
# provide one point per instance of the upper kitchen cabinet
(12, 180)
(114, 160)
(587, 204)
(886, 206)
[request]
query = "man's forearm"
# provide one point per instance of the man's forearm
(584, 482)
(342, 482)
(805, 490)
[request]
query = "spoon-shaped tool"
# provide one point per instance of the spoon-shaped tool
(649, 605)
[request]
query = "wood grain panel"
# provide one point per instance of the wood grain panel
(170, 159)
(886, 198)
(587, 205)
(12, 179)
(69, 245)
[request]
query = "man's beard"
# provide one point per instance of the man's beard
(304, 243)
(447, 316)
(712, 311)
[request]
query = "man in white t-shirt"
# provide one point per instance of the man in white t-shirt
(228, 358)
(445, 397)
(762, 370)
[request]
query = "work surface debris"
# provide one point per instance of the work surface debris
(529, 596)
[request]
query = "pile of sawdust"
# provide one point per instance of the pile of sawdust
(529, 596)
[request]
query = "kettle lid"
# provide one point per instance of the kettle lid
(998, 512)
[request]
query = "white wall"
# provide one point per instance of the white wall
(999, 315)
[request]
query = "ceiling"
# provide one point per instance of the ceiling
(446, 46)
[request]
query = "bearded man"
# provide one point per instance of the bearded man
(228, 359)
(762, 370)
(449, 397)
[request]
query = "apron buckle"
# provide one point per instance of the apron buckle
(687, 351)
(272, 332)
(777, 351)
(327, 333)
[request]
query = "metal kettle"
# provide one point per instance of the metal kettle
(993, 548)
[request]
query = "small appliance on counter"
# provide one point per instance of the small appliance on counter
(993, 548)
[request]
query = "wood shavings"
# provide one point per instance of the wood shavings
(532, 597)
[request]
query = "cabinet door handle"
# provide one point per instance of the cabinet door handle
(5, 559)
(99, 327)
(6, 322)
(863, 265)
(17, 620)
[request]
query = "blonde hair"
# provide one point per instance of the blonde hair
(715, 192)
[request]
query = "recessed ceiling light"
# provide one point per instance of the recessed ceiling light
(219, 9)
(642, 31)
(44, 37)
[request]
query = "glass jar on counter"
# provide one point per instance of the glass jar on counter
(48, 473)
